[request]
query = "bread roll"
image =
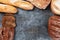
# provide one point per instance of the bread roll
(54, 27)
(55, 6)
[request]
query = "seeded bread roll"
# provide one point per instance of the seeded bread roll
(54, 27)
(41, 4)
(55, 6)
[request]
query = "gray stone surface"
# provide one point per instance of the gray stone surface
(32, 25)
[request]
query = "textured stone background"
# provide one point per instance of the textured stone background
(31, 25)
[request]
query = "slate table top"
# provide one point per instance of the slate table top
(31, 25)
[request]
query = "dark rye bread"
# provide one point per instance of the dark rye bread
(54, 26)
(7, 31)
(41, 4)
(8, 21)
(1, 36)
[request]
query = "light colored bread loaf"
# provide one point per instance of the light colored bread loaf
(19, 3)
(7, 9)
(55, 6)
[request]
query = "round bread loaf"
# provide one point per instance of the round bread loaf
(54, 27)
(55, 6)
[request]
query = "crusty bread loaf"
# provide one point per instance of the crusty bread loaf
(7, 9)
(19, 3)
(41, 4)
(55, 6)
(54, 27)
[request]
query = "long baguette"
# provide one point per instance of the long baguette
(19, 3)
(7, 9)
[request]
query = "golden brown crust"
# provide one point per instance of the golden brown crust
(7, 9)
(24, 5)
(19, 3)
(41, 4)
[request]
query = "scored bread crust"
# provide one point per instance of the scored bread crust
(19, 3)
(54, 27)
(7, 9)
